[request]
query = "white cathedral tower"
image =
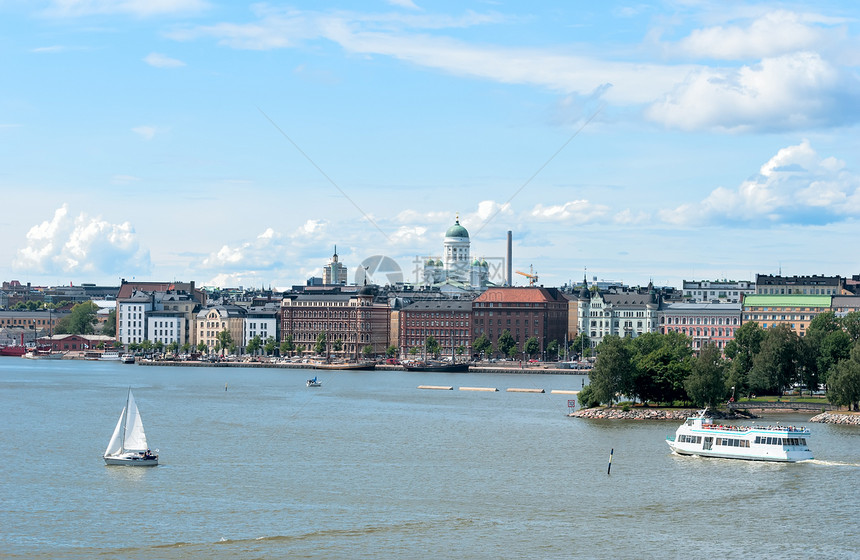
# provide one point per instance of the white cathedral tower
(456, 247)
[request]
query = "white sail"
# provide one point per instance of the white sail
(115, 445)
(135, 438)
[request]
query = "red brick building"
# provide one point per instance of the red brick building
(447, 321)
(524, 311)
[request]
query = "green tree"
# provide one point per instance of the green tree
(532, 346)
(742, 351)
(461, 350)
(413, 351)
(320, 346)
(843, 387)
(225, 339)
(706, 384)
(337, 345)
(146, 346)
(391, 351)
(851, 324)
(661, 364)
(81, 320)
(367, 351)
(254, 345)
(109, 327)
(581, 345)
(287, 346)
(202, 348)
(776, 364)
(506, 344)
(482, 345)
(431, 346)
(159, 346)
(173, 347)
(552, 349)
(270, 345)
(612, 374)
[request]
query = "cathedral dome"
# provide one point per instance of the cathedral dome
(457, 230)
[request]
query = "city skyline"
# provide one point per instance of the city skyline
(237, 144)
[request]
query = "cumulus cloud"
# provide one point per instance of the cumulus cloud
(162, 61)
(138, 8)
(796, 186)
(790, 78)
(771, 34)
(575, 211)
(81, 245)
(799, 90)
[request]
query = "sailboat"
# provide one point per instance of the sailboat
(128, 443)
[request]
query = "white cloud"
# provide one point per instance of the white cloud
(793, 85)
(575, 211)
(795, 186)
(404, 4)
(145, 132)
(82, 245)
(162, 61)
(771, 34)
(139, 8)
(800, 90)
(628, 218)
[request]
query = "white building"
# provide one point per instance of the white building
(723, 291)
(262, 322)
(334, 273)
(457, 268)
(624, 313)
(131, 315)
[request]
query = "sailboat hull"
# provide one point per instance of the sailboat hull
(131, 460)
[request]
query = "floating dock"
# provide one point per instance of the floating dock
(439, 387)
(563, 392)
(488, 389)
(514, 390)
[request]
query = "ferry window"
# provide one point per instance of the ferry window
(757, 439)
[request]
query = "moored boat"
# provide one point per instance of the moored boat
(43, 354)
(17, 351)
(110, 356)
(128, 358)
(347, 366)
(443, 367)
(314, 382)
(699, 435)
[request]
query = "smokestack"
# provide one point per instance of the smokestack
(510, 279)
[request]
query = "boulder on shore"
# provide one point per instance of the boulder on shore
(641, 413)
(837, 418)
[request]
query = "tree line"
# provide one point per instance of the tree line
(662, 368)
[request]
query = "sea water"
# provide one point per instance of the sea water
(254, 464)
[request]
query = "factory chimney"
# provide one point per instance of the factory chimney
(510, 279)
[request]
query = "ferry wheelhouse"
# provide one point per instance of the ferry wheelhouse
(701, 436)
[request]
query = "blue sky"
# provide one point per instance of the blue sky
(236, 143)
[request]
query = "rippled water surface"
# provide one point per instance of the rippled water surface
(370, 466)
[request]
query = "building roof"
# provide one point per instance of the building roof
(457, 230)
(701, 307)
(440, 305)
(792, 300)
(519, 295)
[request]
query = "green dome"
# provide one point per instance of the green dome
(457, 230)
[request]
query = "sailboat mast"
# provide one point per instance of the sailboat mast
(124, 417)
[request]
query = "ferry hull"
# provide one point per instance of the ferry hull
(789, 458)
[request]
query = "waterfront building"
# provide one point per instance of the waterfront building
(796, 311)
(75, 342)
(724, 291)
(447, 321)
(132, 306)
(334, 273)
(215, 319)
(624, 313)
(701, 322)
(523, 311)
(843, 305)
(799, 285)
(39, 321)
(156, 316)
(350, 321)
(261, 321)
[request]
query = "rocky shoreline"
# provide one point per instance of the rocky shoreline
(676, 414)
(837, 418)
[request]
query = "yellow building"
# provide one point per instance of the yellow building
(796, 311)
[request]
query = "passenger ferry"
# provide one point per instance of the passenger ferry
(700, 436)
